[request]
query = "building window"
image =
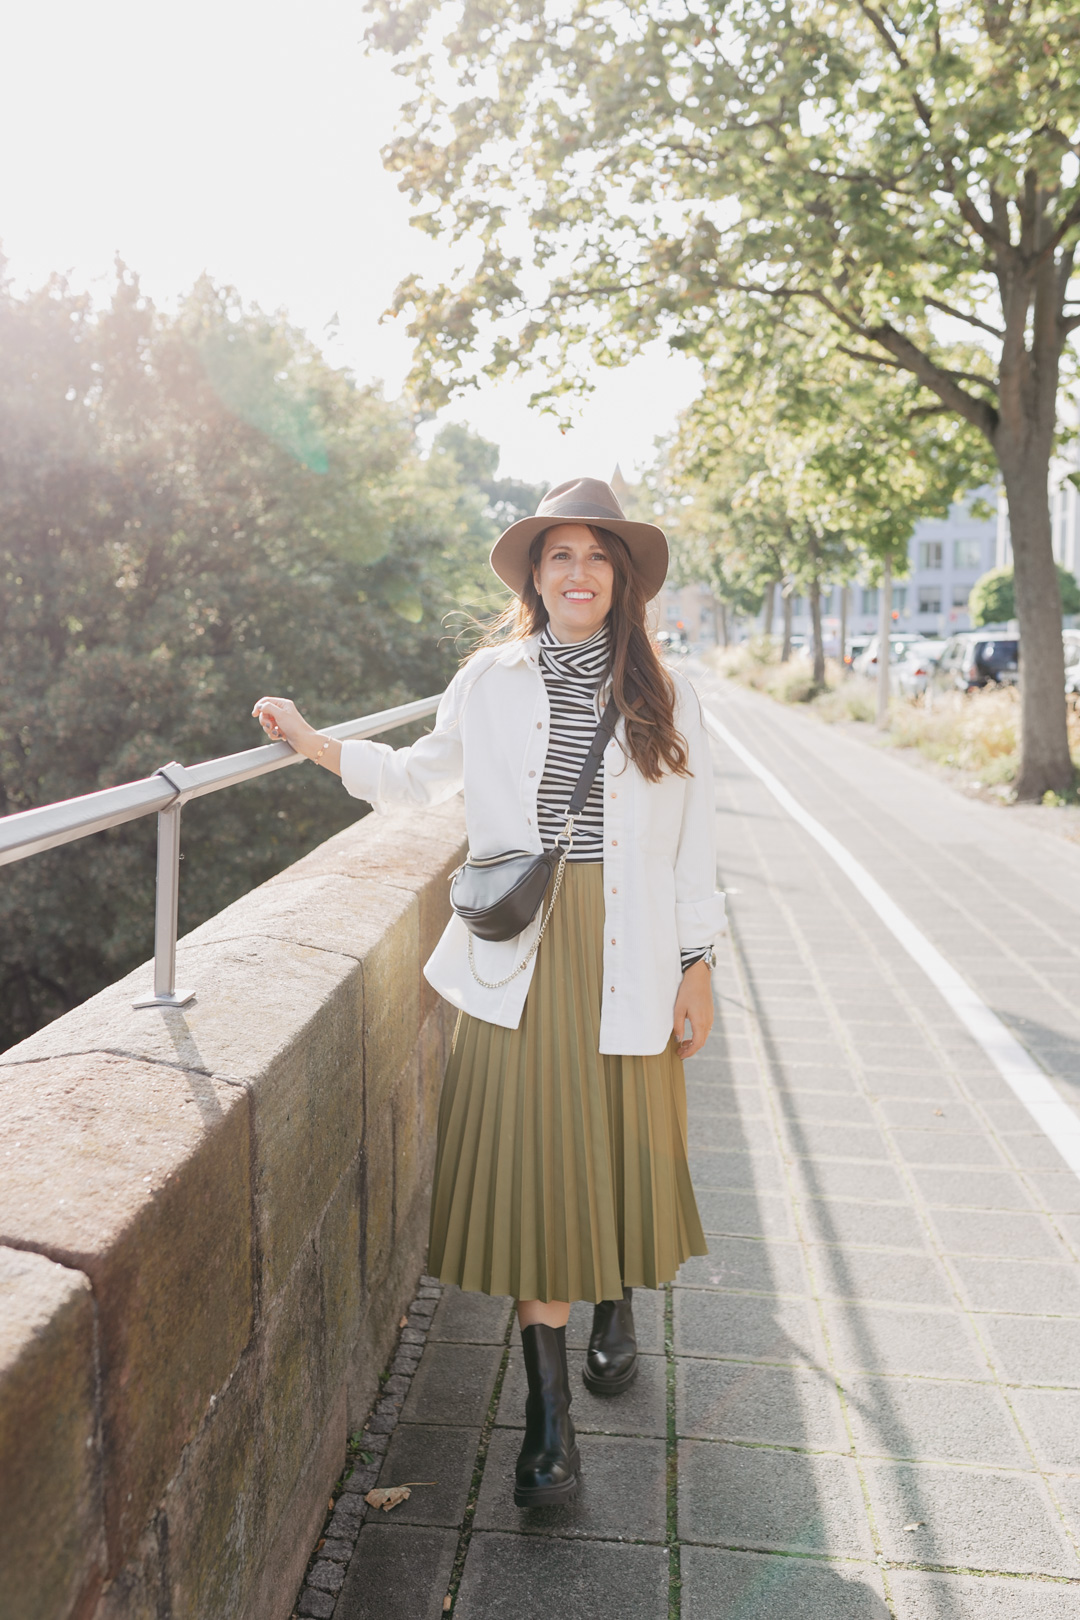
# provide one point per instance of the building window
(930, 598)
(931, 554)
(960, 596)
(967, 553)
(899, 599)
(798, 607)
(869, 601)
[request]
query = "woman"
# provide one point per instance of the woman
(561, 1163)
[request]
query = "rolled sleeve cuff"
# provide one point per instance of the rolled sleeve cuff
(361, 770)
(698, 921)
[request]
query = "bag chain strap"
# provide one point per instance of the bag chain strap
(497, 984)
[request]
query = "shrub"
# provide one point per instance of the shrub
(993, 598)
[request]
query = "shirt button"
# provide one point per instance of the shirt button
(613, 942)
(611, 987)
(614, 843)
(532, 773)
(539, 725)
(614, 891)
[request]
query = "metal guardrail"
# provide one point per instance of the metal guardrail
(28, 832)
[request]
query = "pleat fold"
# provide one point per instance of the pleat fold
(561, 1174)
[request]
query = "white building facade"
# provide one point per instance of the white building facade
(945, 558)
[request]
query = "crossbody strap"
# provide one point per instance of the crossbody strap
(601, 737)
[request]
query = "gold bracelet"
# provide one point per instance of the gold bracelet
(315, 758)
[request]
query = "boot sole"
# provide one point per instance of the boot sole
(610, 1386)
(550, 1495)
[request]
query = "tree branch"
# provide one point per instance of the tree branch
(945, 384)
(874, 359)
(878, 20)
(1069, 222)
(972, 320)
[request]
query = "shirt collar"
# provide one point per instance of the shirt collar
(581, 660)
(523, 650)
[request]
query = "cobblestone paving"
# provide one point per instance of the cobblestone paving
(865, 1401)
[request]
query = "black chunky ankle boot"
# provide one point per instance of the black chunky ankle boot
(611, 1363)
(548, 1463)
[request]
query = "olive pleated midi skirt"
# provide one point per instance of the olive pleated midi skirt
(560, 1173)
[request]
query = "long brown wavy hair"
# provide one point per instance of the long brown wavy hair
(643, 690)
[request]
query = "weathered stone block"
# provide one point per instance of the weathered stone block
(403, 849)
(138, 1175)
(413, 851)
(408, 1147)
(52, 1545)
(434, 1048)
(340, 1243)
(318, 911)
(379, 1187)
(391, 1005)
(139, 1590)
(216, 1506)
(293, 1533)
(191, 1161)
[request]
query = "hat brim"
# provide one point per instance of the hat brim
(646, 544)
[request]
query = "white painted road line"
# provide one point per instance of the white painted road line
(1013, 1061)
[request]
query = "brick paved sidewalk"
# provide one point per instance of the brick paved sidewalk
(866, 1400)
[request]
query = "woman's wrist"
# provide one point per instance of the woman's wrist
(309, 742)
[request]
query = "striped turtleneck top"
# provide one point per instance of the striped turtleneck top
(573, 673)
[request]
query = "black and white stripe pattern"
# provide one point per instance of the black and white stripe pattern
(573, 674)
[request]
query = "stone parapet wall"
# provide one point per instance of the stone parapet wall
(210, 1220)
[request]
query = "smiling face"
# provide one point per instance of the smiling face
(575, 579)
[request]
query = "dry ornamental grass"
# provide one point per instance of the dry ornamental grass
(973, 732)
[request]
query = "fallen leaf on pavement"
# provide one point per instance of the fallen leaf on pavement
(404, 1322)
(940, 1112)
(918, 1525)
(388, 1498)
(446, 1602)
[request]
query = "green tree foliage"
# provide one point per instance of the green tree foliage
(805, 469)
(993, 596)
(907, 171)
(195, 510)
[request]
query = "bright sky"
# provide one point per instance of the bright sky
(243, 139)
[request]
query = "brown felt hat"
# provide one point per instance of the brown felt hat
(581, 500)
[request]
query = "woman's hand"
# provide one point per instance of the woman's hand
(282, 720)
(694, 1002)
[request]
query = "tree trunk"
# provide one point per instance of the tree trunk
(885, 645)
(1045, 764)
(785, 651)
(770, 604)
(724, 622)
(815, 621)
(843, 629)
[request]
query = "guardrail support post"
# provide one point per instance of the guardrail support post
(165, 913)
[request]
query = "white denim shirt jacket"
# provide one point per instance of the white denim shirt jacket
(490, 740)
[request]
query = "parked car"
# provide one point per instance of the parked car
(856, 646)
(916, 668)
(866, 662)
(1072, 661)
(978, 658)
(673, 643)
